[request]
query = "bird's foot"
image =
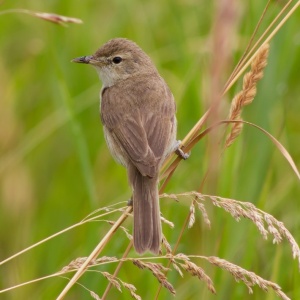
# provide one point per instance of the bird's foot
(180, 152)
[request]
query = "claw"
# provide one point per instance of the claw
(180, 152)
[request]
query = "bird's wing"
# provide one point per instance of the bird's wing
(144, 133)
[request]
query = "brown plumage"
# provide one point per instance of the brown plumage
(138, 115)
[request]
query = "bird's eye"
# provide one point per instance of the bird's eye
(117, 59)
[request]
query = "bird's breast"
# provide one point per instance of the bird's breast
(116, 151)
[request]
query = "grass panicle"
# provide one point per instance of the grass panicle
(265, 223)
(250, 279)
(50, 17)
(179, 263)
(246, 96)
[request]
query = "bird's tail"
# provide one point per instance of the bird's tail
(146, 213)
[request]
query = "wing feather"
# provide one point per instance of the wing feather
(141, 122)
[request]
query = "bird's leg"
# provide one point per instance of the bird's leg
(180, 152)
(130, 202)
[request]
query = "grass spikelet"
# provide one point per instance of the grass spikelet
(250, 279)
(192, 215)
(157, 270)
(112, 280)
(126, 231)
(203, 211)
(246, 96)
(166, 245)
(132, 289)
(77, 263)
(94, 295)
(165, 221)
(51, 17)
(196, 271)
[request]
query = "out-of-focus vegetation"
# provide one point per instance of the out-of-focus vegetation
(55, 167)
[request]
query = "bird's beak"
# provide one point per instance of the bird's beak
(83, 59)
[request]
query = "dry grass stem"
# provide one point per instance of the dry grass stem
(106, 209)
(168, 167)
(267, 40)
(247, 53)
(173, 160)
(250, 279)
(95, 253)
(246, 96)
(118, 268)
(90, 218)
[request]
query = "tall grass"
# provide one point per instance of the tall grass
(55, 167)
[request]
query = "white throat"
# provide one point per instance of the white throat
(107, 75)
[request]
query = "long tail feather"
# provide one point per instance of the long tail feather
(146, 212)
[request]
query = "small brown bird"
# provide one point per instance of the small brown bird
(138, 115)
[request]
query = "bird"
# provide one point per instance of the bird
(138, 113)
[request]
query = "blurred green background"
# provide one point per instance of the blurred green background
(55, 167)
